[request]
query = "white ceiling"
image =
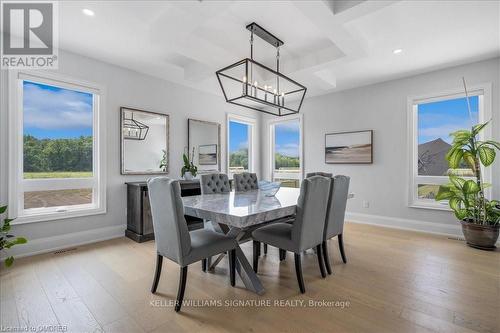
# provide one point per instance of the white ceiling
(329, 45)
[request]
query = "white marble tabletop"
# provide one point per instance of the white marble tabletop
(242, 209)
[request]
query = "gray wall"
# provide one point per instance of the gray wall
(124, 88)
(383, 108)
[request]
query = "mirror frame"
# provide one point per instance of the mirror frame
(167, 144)
(219, 148)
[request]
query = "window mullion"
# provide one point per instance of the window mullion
(58, 184)
(431, 180)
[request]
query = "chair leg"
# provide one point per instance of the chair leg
(258, 250)
(256, 247)
(204, 265)
(298, 271)
(319, 254)
(282, 254)
(265, 248)
(156, 279)
(209, 263)
(341, 246)
(182, 288)
(326, 258)
(232, 267)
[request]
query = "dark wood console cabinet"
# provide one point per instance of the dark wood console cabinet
(139, 221)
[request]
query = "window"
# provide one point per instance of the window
(56, 153)
(286, 151)
(432, 119)
(240, 144)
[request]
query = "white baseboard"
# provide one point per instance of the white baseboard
(450, 230)
(406, 224)
(54, 243)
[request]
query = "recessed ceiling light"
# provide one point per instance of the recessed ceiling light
(88, 12)
(397, 51)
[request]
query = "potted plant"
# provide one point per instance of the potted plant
(189, 170)
(163, 162)
(480, 217)
(8, 240)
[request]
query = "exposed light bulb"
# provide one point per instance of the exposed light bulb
(244, 86)
(397, 51)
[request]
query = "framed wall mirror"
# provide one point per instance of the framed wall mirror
(204, 137)
(144, 142)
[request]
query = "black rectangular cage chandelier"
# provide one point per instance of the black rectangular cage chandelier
(134, 129)
(252, 85)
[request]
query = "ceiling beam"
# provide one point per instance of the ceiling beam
(166, 31)
(332, 22)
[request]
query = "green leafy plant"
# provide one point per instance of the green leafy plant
(466, 196)
(163, 162)
(188, 165)
(6, 239)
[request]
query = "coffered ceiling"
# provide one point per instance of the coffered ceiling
(329, 45)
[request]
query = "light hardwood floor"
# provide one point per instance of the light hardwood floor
(394, 281)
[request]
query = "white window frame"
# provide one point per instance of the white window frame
(270, 125)
(18, 185)
(484, 93)
(251, 122)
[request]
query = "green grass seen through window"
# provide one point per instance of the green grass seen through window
(427, 191)
(58, 174)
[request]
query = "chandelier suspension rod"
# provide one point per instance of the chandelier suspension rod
(251, 45)
(278, 59)
(251, 57)
(277, 69)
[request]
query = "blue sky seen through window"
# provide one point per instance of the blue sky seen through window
(238, 138)
(287, 138)
(55, 113)
(439, 119)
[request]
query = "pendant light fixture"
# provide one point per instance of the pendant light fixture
(134, 129)
(253, 85)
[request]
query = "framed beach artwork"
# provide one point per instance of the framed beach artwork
(207, 155)
(349, 147)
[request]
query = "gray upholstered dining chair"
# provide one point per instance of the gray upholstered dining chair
(282, 253)
(334, 226)
(174, 241)
(324, 174)
(306, 231)
(245, 181)
(215, 183)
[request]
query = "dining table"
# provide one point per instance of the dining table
(238, 213)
